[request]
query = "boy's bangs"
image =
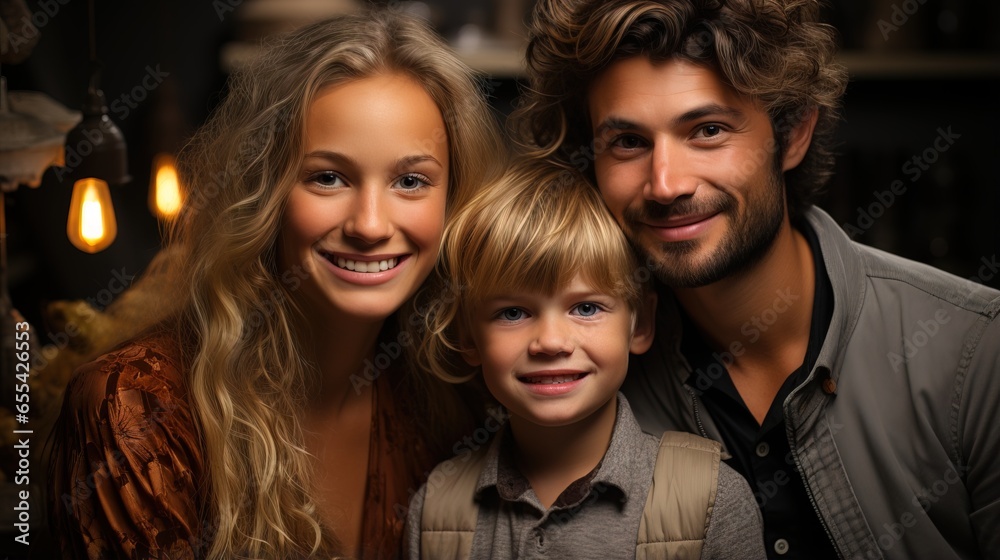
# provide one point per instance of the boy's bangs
(541, 237)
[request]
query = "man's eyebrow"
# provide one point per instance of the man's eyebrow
(614, 123)
(713, 109)
(710, 110)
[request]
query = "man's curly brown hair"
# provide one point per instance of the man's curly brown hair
(773, 51)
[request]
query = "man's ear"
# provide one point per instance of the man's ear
(645, 325)
(798, 141)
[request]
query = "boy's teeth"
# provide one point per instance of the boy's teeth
(367, 266)
(552, 380)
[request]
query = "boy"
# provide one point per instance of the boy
(548, 310)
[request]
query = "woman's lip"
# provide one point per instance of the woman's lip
(683, 229)
(361, 257)
(364, 278)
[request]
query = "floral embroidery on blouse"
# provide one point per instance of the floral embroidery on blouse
(128, 468)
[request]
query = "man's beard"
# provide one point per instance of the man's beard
(748, 239)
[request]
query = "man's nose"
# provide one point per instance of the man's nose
(670, 174)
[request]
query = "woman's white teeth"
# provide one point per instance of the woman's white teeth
(367, 266)
(552, 380)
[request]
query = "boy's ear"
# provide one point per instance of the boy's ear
(799, 139)
(645, 325)
(469, 351)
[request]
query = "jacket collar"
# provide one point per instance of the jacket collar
(846, 272)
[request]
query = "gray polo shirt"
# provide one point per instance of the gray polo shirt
(598, 515)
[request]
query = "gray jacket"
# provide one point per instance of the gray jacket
(896, 428)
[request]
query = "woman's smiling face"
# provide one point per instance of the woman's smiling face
(365, 216)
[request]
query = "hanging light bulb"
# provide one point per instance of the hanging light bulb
(165, 192)
(91, 226)
(97, 156)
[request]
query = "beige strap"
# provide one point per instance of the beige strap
(448, 521)
(681, 498)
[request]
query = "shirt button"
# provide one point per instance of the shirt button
(829, 386)
(781, 546)
(763, 449)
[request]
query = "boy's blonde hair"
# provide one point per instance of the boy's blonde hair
(533, 230)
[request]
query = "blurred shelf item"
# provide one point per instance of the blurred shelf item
(494, 59)
(880, 66)
(502, 60)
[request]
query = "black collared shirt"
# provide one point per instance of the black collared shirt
(761, 452)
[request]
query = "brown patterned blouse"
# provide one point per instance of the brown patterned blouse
(128, 468)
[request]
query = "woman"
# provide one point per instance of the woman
(272, 417)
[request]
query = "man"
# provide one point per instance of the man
(856, 391)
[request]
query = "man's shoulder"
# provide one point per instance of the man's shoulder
(908, 282)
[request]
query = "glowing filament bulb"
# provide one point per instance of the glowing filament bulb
(91, 226)
(165, 196)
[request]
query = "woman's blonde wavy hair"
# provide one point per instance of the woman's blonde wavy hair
(532, 231)
(248, 376)
(773, 51)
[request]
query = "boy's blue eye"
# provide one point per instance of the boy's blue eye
(587, 309)
(512, 314)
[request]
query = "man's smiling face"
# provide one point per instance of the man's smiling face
(690, 169)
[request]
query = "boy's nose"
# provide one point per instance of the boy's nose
(551, 338)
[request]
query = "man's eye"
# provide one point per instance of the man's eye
(711, 130)
(628, 142)
(587, 309)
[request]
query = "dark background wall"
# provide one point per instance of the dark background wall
(902, 93)
(930, 69)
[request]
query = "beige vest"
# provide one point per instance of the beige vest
(674, 520)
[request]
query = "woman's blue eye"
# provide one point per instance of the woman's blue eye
(587, 309)
(512, 314)
(411, 182)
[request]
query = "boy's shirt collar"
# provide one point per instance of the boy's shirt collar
(610, 479)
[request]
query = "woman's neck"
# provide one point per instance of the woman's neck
(343, 356)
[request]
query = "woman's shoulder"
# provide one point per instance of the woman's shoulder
(148, 367)
(127, 463)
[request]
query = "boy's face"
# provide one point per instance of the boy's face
(554, 360)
